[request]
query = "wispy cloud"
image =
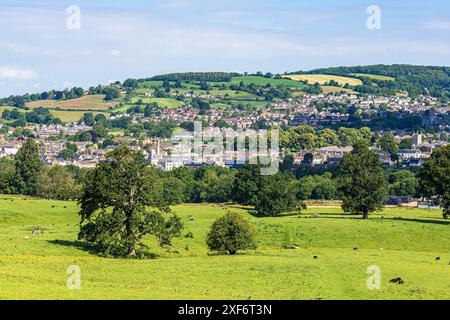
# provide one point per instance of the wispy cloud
(10, 73)
(115, 52)
(86, 52)
(439, 24)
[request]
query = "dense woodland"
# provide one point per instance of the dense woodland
(428, 80)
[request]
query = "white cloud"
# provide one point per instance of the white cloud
(68, 85)
(439, 24)
(86, 52)
(115, 52)
(49, 52)
(16, 74)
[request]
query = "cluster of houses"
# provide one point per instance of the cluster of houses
(407, 157)
(171, 153)
(298, 110)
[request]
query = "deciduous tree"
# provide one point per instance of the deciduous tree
(231, 233)
(121, 202)
(434, 178)
(28, 168)
(362, 181)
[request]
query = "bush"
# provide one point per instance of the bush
(231, 233)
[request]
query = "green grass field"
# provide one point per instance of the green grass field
(3, 108)
(163, 102)
(323, 78)
(262, 81)
(330, 89)
(35, 268)
(150, 84)
(72, 116)
(214, 92)
(373, 76)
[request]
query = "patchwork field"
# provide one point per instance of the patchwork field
(402, 242)
(323, 78)
(91, 102)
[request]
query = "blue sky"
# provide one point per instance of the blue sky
(121, 39)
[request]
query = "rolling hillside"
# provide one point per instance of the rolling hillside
(89, 102)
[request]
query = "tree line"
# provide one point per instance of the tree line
(18, 118)
(195, 76)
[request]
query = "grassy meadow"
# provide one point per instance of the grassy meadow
(402, 242)
(3, 108)
(72, 116)
(163, 102)
(373, 76)
(262, 81)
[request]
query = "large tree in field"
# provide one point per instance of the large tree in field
(434, 178)
(362, 181)
(121, 202)
(28, 168)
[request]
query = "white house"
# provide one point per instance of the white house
(406, 154)
(8, 151)
(169, 165)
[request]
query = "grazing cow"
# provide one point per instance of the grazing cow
(397, 280)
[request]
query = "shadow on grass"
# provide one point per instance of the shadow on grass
(378, 218)
(441, 222)
(80, 245)
(95, 250)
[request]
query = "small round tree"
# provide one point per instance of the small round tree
(231, 233)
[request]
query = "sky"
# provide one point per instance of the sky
(50, 46)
